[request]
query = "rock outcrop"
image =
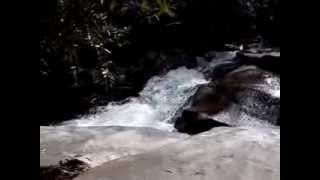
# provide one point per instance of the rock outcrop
(244, 91)
(221, 153)
(193, 122)
(267, 59)
(92, 146)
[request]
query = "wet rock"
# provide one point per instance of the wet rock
(223, 69)
(192, 122)
(246, 96)
(267, 59)
(254, 95)
(221, 153)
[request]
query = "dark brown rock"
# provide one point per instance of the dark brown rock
(245, 96)
(192, 122)
(268, 60)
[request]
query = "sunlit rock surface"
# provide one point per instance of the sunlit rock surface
(219, 154)
(97, 145)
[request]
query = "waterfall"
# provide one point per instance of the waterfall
(158, 102)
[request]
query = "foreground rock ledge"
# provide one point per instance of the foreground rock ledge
(97, 145)
(219, 154)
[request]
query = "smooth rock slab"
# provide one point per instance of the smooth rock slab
(220, 154)
(97, 145)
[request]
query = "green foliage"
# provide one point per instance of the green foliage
(165, 8)
(156, 7)
(144, 6)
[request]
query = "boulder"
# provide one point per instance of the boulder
(246, 96)
(193, 122)
(267, 59)
(254, 93)
(221, 153)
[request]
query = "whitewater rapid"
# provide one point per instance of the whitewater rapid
(163, 96)
(157, 104)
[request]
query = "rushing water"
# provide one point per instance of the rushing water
(163, 96)
(158, 102)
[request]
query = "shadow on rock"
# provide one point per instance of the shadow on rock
(192, 122)
(66, 170)
(266, 60)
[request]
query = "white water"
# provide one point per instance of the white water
(164, 95)
(234, 116)
(161, 98)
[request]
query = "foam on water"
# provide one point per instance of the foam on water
(234, 116)
(219, 59)
(161, 98)
(274, 86)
